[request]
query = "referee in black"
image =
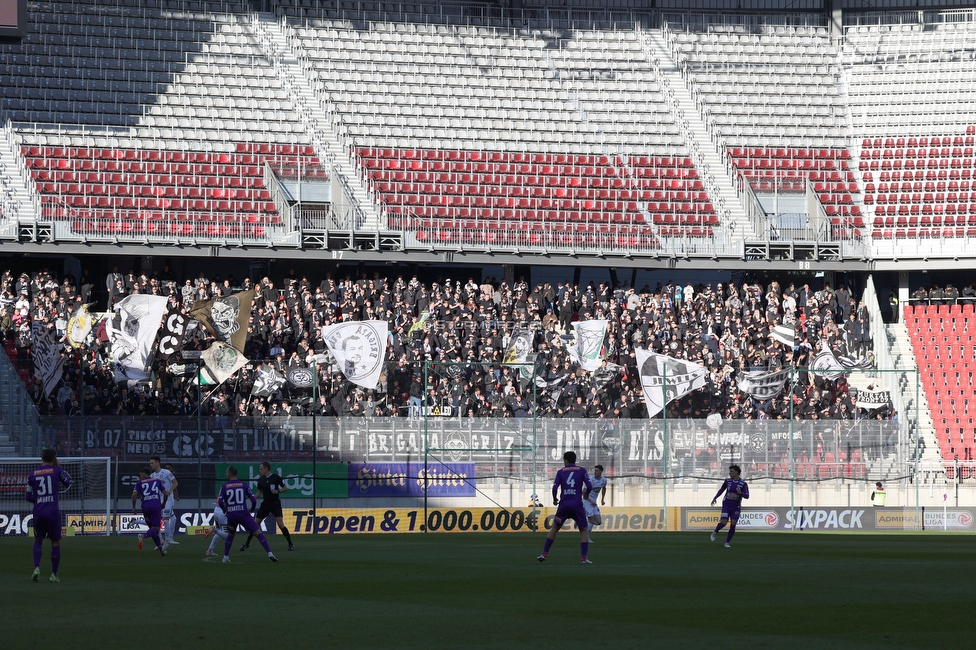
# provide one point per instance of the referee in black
(270, 486)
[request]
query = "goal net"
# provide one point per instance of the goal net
(86, 506)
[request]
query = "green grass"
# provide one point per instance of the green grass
(772, 590)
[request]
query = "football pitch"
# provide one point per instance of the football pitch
(771, 590)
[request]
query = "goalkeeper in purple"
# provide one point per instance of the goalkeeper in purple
(234, 498)
(44, 484)
(153, 496)
(569, 485)
(735, 490)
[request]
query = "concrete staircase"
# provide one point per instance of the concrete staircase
(285, 56)
(716, 175)
(915, 404)
(16, 188)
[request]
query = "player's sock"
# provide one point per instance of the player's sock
(720, 526)
(545, 549)
(227, 544)
(55, 559)
(38, 551)
(584, 547)
(248, 542)
(731, 533)
(154, 536)
(264, 542)
(284, 531)
(171, 526)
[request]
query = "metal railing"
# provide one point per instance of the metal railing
(17, 411)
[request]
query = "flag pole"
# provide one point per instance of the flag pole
(664, 411)
(315, 443)
(199, 434)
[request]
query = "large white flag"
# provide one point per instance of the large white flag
(826, 365)
(46, 352)
(763, 385)
(589, 343)
(131, 332)
(360, 349)
(222, 361)
(665, 379)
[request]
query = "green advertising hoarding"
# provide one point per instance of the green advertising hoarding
(298, 478)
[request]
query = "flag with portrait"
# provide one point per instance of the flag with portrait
(131, 332)
(359, 348)
(519, 345)
(80, 326)
(226, 317)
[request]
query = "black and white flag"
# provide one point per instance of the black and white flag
(299, 377)
(175, 326)
(183, 369)
(131, 333)
(826, 365)
(266, 382)
(519, 345)
(226, 317)
(872, 399)
(854, 364)
(665, 379)
(785, 334)
(603, 375)
(46, 352)
(587, 349)
(359, 348)
(763, 385)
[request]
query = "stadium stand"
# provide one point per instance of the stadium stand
(942, 339)
(151, 122)
(770, 97)
(920, 187)
(519, 135)
(908, 83)
(763, 85)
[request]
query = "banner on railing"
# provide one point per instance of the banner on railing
(504, 449)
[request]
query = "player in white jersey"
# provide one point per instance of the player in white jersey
(218, 530)
(593, 516)
(169, 484)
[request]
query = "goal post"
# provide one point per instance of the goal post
(86, 506)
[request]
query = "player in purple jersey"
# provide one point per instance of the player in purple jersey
(569, 484)
(233, 499)
(735, 490)
(150, 490)
(43, 486)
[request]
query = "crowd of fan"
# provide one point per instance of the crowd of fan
(725, 328)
